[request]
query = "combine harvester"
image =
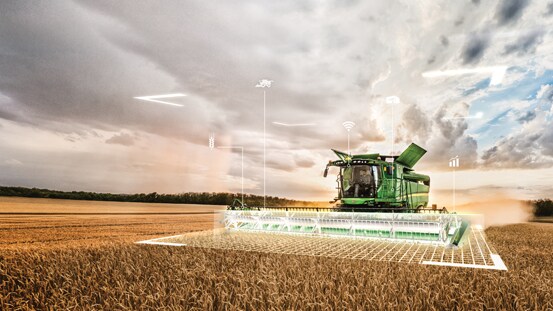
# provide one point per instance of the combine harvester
(378, 197)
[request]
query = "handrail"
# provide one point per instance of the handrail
(344, 209)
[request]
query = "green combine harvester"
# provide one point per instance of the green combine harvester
(379, 196)
(373, 182)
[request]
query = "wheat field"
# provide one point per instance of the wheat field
(83, 262)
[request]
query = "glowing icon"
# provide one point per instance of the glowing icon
(348, 125)
(293, 124)
(211, 141)
(264, 83)
(392, 100)
(454, 162)
(155, 98)
(498, 73)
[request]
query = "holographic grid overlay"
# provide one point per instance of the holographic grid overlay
(475, 252)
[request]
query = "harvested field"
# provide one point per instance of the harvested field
(38, 224)
(90, 262)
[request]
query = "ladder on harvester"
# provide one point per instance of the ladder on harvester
(406, 188)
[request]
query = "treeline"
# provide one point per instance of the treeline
(543, 207)
(211, 198)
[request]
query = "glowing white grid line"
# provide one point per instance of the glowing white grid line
(156, 241)
(293, 124)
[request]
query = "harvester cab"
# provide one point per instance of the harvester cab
(380, 182)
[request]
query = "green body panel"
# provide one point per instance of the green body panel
(392, 184)
(416, 177)
(411, 155)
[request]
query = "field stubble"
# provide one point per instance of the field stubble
(95, 265)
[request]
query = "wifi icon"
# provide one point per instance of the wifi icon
(348, 125)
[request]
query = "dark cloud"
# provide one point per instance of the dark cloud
(304, 161)
(466, 147)
(459, 21)
(104, 53)
(510, 10)
(549, 10)
(62, 70)
(474, 48)
(517, 151)
(124, 139)
(8, 115)
(546, 142)
(444, 41)
(443, 138)
(415, 125)
(531, 146)
(281, 165)
(488, 154)
(525, 44)
(452, 139)
(527, 117)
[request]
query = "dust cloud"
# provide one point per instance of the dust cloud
(498, 208)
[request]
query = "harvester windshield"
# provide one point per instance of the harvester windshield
(360, 181)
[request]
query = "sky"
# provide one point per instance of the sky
(70, 72)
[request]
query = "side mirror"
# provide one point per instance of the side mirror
(325, 172)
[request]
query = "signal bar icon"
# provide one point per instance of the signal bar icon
(454, 162)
